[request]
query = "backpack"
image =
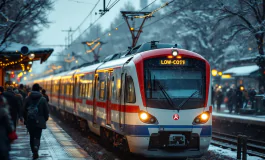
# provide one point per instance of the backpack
(33, 111)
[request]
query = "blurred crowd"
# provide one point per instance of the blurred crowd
(14, 108)
(234, 97)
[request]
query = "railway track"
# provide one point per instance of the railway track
(254, 147)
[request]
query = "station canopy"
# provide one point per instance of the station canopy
(242, 70)
(13, 56)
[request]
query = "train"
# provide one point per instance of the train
(153, 100)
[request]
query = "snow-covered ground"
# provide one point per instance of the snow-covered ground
(228, 153)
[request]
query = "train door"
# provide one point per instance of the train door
(122, 102)
(74, 94)
(109, 94)
(95, 99)
(58, 97)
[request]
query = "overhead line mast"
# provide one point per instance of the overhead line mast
(131, 15)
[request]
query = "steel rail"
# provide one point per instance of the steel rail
(254, 147)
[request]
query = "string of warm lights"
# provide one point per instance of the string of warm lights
(69, 60)
(91, 43)
(54, 67)
(92, 49)
(151, 14)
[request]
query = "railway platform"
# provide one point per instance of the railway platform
(241, 118)
(56, 144)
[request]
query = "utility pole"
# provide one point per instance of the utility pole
(102, 12)
(132, 15)
(69, 37)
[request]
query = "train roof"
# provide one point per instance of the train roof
(118, 59)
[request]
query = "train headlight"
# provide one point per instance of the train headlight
(202, 118)
(143, 116)
(146, 117)
(174, 52)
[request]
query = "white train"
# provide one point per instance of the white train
(154, 100)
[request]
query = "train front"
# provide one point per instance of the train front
(175, 115)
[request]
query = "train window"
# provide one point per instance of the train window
(80, 90)
(71, 90)
(118, 89)
(83, 90)
(62, 89)
(67, 89)
(102, 90)
(89, 93)
(130, 92)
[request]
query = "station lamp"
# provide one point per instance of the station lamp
(214, 72)
(31, 56)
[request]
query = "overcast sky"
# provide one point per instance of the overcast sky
(70, 13)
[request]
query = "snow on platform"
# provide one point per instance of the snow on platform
(228, 153)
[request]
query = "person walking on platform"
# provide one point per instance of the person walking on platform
(239, 100)
(219, 99)
(21, 91)
(36, 114)
(43, 91)
(7, 132)
(245, 98)
(230, 101)
(213, 96)
(261, 90)
(252, 94)
(14, 105)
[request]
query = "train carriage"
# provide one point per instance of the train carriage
(154, 101)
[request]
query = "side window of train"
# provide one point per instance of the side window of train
(102, 90)
(130, 92)
(118, 89)
(80, 90)
(89, 93)
(62, 89)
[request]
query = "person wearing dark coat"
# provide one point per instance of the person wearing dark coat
(239, 99)
(15, 107)
(219, 99)
(43, 91)
(6, 129)
(252, 95)
(35, 126)
(21, 91)
(230, 102)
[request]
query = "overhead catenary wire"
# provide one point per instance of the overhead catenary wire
(167, 15)
(113, 4)
(108, 4)
(94, 22)
(86, 18)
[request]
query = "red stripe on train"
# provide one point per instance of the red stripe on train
(116, 107)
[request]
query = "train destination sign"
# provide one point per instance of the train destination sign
(173, 62)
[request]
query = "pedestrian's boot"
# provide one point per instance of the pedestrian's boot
(36, 148)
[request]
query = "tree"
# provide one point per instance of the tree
(250, 19)
(22, 20)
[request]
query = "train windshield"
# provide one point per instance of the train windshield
(169, 83)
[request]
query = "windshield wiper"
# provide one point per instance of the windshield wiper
(186, 100)
(169, 99)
